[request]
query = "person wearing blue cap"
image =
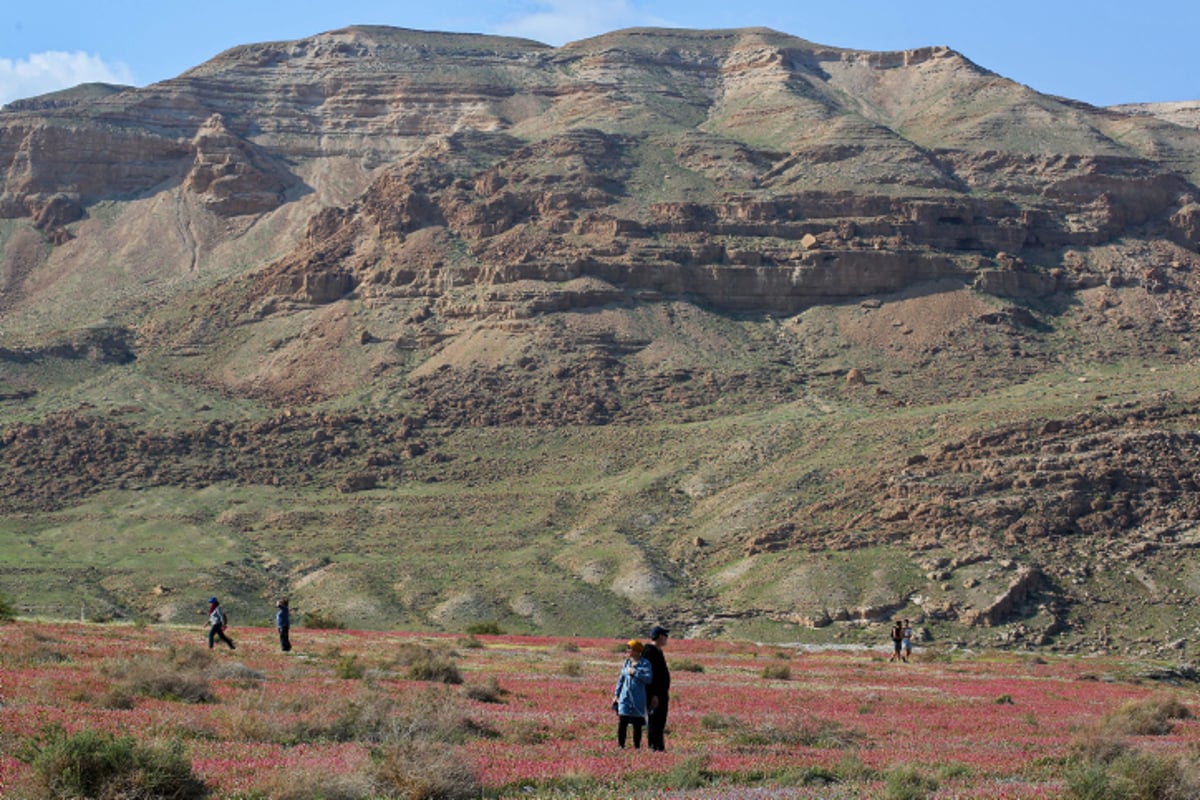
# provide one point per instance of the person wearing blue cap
(216, 623)
(659, 690)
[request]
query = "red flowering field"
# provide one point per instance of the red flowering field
(371, 714)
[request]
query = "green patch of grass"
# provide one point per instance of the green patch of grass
(100, 764)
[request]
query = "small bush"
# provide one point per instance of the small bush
(822, 734)
(161, 679)
(489, 692)
(713, 721)
(691, 773)
(240, 674)
(349, 668)
(1150, 716)
(807, 776)
(907, 783)
(98, 764)
(8, 610)
(851, 768)
(528, 731)
(437, 670)
(421, 770)
(318, 620)
(369, 716)
(1103, 768)
(684, 665)
(777, 672)
(485, 629)
(953, 771)
(443, 718)
(1004, 700)
(572, 669)
(117, 698)
(408, 652)
(304, 783)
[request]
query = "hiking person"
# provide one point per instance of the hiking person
(217, 621)
(906, 641)
(897, 641)
(660, 687)
(629, 695)
(283, 623)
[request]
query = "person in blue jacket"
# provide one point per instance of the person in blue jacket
(283, 624)
(629, 695)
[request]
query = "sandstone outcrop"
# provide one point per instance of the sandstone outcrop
(528, 156)
(807, 334)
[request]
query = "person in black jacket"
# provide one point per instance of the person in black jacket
(659, 691)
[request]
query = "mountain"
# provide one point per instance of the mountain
(723, 328)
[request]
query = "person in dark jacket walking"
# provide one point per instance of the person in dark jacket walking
(216, 623)
(283, 622)
(897, 642)
(660, 687)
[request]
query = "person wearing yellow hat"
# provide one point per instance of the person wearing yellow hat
(629, 695)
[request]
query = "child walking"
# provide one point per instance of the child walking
(216, 624)
(629, 695)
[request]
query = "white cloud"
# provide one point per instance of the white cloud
(54, 70)
(562, 21)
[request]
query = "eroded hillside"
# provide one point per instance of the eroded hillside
(724, 327)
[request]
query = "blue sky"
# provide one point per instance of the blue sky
(1102, 52)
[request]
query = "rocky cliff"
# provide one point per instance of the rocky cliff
(782, 302)
(750, 168)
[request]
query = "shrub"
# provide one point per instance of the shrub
(348, 667)
(485, 629)
(691, 773)
(806, 776)
(1106, 769)
(98, 764)
(301, 783)
(572, 669)
(1104, 765)
(953, 771)
(1150, 716)
(851, 768)
(435, 668)
(823, 734)
(777, 672)
(907, 783)
(117, 698)
(8, 610)
(421, 770)
(161, 679)
(319, 620)
(713, 721)
(369, 716)
(440, 716)
(683, 665)
(528, 731)
(489, 692)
